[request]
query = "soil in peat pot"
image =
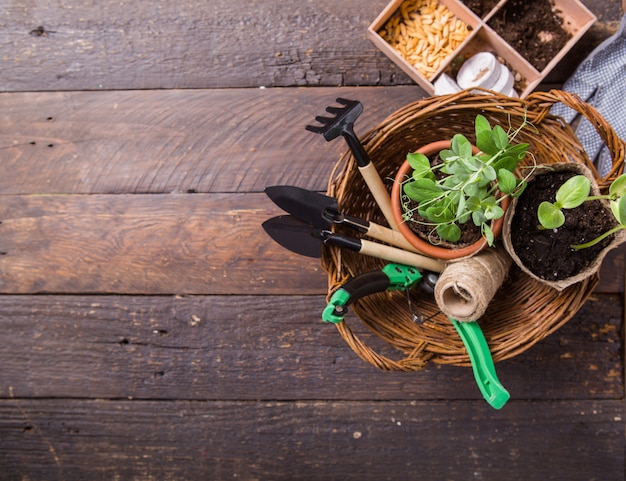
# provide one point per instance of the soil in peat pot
(532, 27)
(481, 7)
(547, 253)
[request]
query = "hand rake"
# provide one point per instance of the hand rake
(343, 124)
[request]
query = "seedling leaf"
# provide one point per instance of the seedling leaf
(418, 162)
(500, 138)
(573, 192)
(619, 209)
(618, 187)
(449, 232)
(507, 182)
(461, 146)
(488, 234)
(422, 190)
(550, 216)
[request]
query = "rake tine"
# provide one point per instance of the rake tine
(324, 120)
(341, 121)
(335, 110)
(317, 129)
(320, 129)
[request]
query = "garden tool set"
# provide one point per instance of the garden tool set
(309, 226)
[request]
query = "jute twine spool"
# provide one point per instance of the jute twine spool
(522, 311)
(466, 287)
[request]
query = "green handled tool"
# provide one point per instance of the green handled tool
(482, 363)
(398, 277)
(389, 278)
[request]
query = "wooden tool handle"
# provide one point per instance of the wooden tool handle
(381, 196)
(393, 237)
(393, 254)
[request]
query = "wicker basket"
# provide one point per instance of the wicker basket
(523, 311)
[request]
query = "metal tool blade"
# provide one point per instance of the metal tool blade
(295, 235)
(312, 207)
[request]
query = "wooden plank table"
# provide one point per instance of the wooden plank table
(151, 330)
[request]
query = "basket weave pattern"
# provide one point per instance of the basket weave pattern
(523, 311)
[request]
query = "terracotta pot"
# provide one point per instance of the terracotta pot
(425, 247)
(561, 284)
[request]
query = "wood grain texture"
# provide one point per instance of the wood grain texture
(265, 347)
(176, 141)
(152, 330)
(147, 244)
(78, 45)
(67, 439)
(85, 45)
(154, 244)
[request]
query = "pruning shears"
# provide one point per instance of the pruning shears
(399, 277)
(392, 277)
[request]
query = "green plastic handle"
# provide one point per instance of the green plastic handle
(482, 363)
(389, 278)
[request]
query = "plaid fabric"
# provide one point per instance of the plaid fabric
(600, 80)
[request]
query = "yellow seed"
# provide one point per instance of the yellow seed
(418, 27)
(425, 32)
(429, 29)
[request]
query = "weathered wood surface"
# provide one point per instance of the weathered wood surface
(68, 144)
(158, 244)
(253, 331)
(270, 347)
(151, 330)
(147, 244)
(573, 440)
(85, 45)
(226, 140)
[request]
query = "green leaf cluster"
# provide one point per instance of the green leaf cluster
(573, 193)
(469, 186)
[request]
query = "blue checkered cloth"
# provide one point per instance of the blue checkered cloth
(600, 80)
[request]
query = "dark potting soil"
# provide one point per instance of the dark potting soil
(470, 233)
(547, 253)
(481, 7)
(533, 28)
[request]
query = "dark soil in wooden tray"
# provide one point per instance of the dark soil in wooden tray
(547, 253)
(481, 7)
(533, 28)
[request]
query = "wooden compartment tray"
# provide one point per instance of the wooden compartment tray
(480, 36)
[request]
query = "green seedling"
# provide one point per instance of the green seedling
(472, 186)
(573, 193)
